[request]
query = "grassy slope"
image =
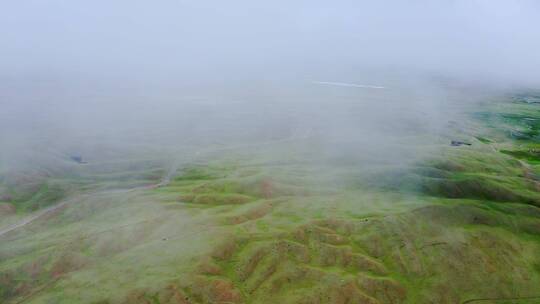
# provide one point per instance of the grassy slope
(250, 228)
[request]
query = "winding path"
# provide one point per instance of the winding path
(165, 180)
(500, 299)
(32, 217)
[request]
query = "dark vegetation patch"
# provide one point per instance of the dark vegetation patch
(528, 98)
(483, 140)
(518, 121)
(497, 180)
(30, 192)
(216, 199)
(201, 173)
(524, 127)
(516, 218)
(478, 174)
(479, 187)
(530, 155)
(48, 194)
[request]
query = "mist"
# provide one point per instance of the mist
(130, 72)
(195, 151)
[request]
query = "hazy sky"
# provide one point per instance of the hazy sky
(84, 75)
(71, 70)
(174, 39)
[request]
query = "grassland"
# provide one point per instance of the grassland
(279, 223)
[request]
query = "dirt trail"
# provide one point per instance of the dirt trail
(165, 180)
(31, 218)
(501, 299)
(38, 214)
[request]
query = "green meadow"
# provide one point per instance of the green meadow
(280, 223)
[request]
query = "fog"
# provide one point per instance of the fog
(92, 75)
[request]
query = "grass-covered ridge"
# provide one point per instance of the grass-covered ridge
(247, 226)
(473, 235)
(308, 248)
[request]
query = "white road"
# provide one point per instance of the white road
(344, 84)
